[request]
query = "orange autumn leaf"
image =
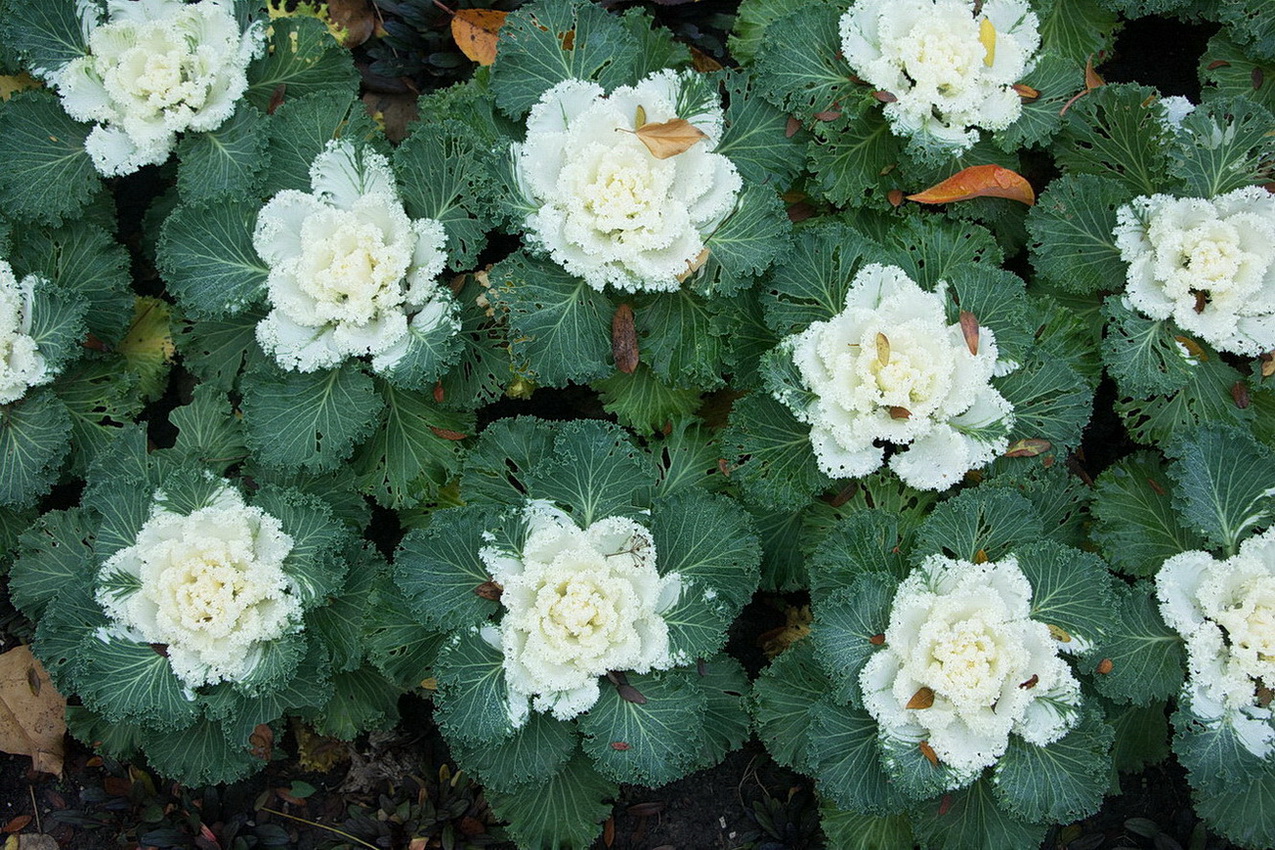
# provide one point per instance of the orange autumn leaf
(476, 32)
(669, 138)
(978, 181)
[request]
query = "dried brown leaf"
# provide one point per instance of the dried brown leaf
(667, 139)
(355, 19)
(624, 341)
(476, 32)
(923, 698)
(31, 723)
(969, 330)
(978, 181)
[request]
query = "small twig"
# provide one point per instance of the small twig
(320, 826)
(35, 810)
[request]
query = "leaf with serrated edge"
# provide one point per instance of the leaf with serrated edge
(784, 699)
(970, 819)
(304, 58)
(1146, 655)
(1061, 782)
(846, 758)
(1224, 481)
(595, 472)
(565, 809)
(657, 731)
(1134, 521)
(995, 522)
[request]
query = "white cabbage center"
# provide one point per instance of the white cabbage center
(1209, 265)
(961, 635)
(1225, 612)
(607, 209)
(579, 603)
(890, 368)
(22, 366)
(209, 585)
(950, 68)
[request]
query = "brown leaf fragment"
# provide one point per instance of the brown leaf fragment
(446, 434)
(828, 115)
(262, 741)
(884, 96)
(1058, 633)
(1092, 80)
(32, 720)
(1030, 683)
(945, 805)
(923, 698)
(356, 19)
(883, 349)
(1264, 696)
(704, 63)
(1104, 666)
(800, 212)
(791, 127)
(980, 557)
(639, 117)
(895, 197)
(877, 640)
(1155, 485)
(899, 413)
(695, 264)
(1268, 364)
(567, 40)
(969, 330)
(667, 139)
(979, 181)
(31, 841)
(1257, 78)
(624, 341)
(608, 832)
(1239, 392)
(1192, 348)
(489, 590)
(17, 824)
(439, 393)
(1217, 63)
(620, 745)
(1201, 300)
(429, 683)
(628, 693)
(1026, 92)
(476, 32)
(648, 809)
(928, 752)
(1030, 447)
(276, 98)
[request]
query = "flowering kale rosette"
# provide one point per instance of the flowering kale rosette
(350, 273)
(914, 353)
(949, 65)
(185, 614)
(937, 665)
(153, 69)
(1206, 263)
(613, 207)
(584, 606)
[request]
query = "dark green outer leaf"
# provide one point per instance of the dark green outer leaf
(532, 59)
(438, 569)
(785, 697)
(854, 831)
(676, 339)
(46, 34)
(1058, 783)
(1234, 75)
(48, 176)
(559, 327)
(208, 260)
(473, 697)
(1143, 355)
(747, 242)
(756, 137)
(443, 176)
(304, 59)
(643, 402)
(771, 455)
(1205, 398)
(55, 556)
(497, 469)
(1227, 145)
(994, 522)
(311, 420)
(1057, 79)
(1224, 481)
(362, 699)
(562, 812)
(1134, 521)
(972, 820)
(199, 755)
(84, 259)
(594, 472)
(536, 751)
(1146, 655)
(1077, 29)
(845, 622)
(1116, 131)
(660, 733)
(849, 156)
(799, 67)
(225, 162)
(34, 440)
(847, 761)
(811, 284)
(300, 129)
(1071, 233)
(709, 541)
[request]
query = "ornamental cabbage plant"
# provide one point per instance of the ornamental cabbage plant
(612, 205)
(153, 69)
(583, 607)
(949, 65)
(350, 273)
(579, 602)
(22, 366)
(1207, 264)
(890, 368)
(938, 698)
(185, 611)
(1225, 612)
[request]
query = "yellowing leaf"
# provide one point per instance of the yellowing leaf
(16, 83)
(978, 181)
(883, 349)
(1030, 447)
(32, 712)
(669, 138)
(987, 35)
(148, 345)
(1058, 633)
(476, 32)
